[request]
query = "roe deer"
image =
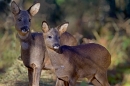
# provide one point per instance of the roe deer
(89, 61)
(32, 44)
(66, 39)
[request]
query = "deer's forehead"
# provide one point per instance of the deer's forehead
(53, 31)
(24, 14)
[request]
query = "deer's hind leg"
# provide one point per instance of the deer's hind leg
(101, 76)
(66, 83)
(95, 82)
(72, 81)
(59, 82)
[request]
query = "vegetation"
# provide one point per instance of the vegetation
(102, 21)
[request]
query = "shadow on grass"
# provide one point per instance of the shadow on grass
(49, 83)
(42, 83)
(119, 74)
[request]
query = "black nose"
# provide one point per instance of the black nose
(56, 46)
(25, 29)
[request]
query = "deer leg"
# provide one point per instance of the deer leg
(72, 82)
(102, 78)
(95, 82)
(34, 75)
(59, 82)
(30, 76)
(66, 83)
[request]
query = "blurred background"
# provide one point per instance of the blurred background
(101, 21)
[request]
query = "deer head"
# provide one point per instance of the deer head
(23, 18)
(52, 36)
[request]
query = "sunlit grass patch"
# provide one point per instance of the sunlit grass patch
(9, 49)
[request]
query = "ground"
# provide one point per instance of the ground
(16, 75)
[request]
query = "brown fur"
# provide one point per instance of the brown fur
(68, 39)
(73, 62)
(79, 54)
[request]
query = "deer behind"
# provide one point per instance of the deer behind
(72, 62)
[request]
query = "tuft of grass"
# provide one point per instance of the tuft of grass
(10, 49)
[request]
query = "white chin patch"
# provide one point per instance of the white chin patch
(56, 47)
(23, 37)
(23, 31)
(24, 45)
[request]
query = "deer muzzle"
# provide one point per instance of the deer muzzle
(56, 46)
(25, 29)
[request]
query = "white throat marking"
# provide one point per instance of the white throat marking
(23, 37)
(24, 45)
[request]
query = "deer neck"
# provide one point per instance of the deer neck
(52, 54)
(25, 41)
(56, 58)
(24, 38)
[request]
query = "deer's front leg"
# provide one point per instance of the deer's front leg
(72, 81)
(59, 82)
(30, 71)
(34, 75)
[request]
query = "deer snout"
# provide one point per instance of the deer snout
(25, 29)
(56, 46)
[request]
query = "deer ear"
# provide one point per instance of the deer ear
(34, 9)
(14, 8)
(45, 27)
(63, 28)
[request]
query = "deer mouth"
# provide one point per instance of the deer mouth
(57, 49)
(56, 46)
(23, 32)
(25, 29)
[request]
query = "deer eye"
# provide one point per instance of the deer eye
(19, 19)
(49, 37)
